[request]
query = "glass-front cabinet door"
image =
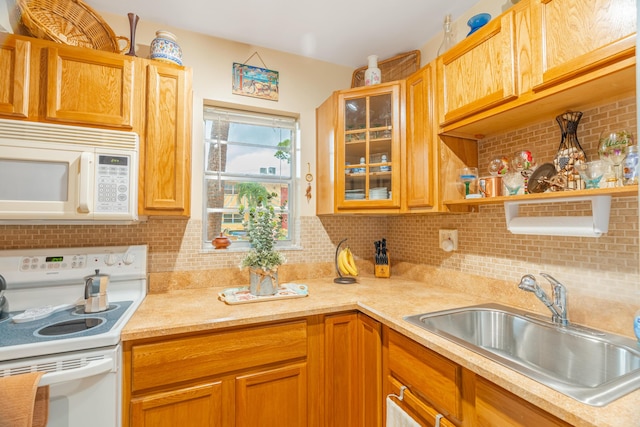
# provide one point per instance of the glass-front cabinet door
(368, 148)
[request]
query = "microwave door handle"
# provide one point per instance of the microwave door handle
(85, 185)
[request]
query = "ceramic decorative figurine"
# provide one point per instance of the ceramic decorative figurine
(372, 76)
(165, 48)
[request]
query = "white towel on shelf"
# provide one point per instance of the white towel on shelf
(397, 417)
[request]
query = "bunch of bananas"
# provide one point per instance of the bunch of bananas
(346, 263)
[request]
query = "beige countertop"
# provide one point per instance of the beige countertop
(386, 300)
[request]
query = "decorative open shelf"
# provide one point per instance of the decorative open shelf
(629, 190)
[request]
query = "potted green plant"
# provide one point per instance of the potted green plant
(263, 226)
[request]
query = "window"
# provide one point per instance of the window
(247, 156)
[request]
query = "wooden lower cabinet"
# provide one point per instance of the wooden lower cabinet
(369, 371)
(352, 381)
(237, 377)
(440, 390)
(194, 406)
(432, 380)
(321, 371)
(496, 406)
(273, 397)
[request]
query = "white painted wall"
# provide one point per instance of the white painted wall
(304, 85)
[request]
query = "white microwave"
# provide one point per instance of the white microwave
(60, 174)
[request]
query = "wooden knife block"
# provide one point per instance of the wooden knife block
(383, 270)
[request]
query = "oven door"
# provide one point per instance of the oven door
(84, 387)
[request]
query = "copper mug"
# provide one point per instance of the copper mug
(491, 186)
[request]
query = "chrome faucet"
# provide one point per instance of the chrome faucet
(559, 305)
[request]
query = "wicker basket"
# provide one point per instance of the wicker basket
(396, 68)
(70, 22)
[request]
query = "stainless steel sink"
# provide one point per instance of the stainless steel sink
(590, 366)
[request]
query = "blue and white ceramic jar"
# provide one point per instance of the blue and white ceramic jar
(165, 48)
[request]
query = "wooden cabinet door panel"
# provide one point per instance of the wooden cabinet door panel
(479, 73)
(326, 128)
(341, 370)
(167, 148)
(89, 87)
(14, 86)
(420, 157)
(272, 398)
(369, 371)
(574, 37)
(361, 138)
(197, 406)
(498, 407)
(431, 376)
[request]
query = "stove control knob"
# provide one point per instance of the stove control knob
(128, 258)
(110, 259)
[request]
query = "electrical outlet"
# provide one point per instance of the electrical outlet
(449, 240)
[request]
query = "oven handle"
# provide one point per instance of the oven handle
(95, 367)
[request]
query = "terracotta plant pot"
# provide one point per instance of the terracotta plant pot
(221, 242)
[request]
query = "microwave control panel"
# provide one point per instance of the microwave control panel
(113, 183)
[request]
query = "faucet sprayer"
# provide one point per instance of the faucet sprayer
(558, 307)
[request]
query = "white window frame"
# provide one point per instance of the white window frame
(249, 116)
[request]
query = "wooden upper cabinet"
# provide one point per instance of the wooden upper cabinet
(326, 118)
(14, 88)
(166, 151)
(575, 37)
(420, 153)
(89, 87)
(359, 143)
(479, 73)
(368, 146)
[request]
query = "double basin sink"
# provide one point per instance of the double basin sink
(590, 366)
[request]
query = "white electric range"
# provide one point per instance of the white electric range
(78, 351)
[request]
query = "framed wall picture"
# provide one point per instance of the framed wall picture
(255, 82)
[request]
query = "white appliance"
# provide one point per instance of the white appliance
(51, 173)
(79, 352)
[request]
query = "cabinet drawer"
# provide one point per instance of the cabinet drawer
(428, 375)
(183, 359)
(417, 408)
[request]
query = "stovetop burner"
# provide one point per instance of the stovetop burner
(70, 327)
